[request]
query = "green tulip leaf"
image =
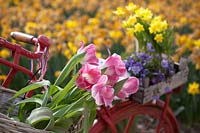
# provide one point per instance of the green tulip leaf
(75, 112)
(29, 100)
(31, 87)
(62, 125)
(45, 99)
(61, 94)
(41, 118)
(69, 67)
(118, 86)
(66, 109)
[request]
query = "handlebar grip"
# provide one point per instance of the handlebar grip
(19, 36)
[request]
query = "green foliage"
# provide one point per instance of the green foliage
(58, 107)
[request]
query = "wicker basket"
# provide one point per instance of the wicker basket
(7, 125)
(10, 126)
(5, 100)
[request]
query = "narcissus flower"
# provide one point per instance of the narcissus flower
(4, 53)
(120, 12)
(139, 27)
(158, 38)
(2, 77)
(193, 88)
(131, 7)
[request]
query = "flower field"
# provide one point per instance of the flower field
(68, 22)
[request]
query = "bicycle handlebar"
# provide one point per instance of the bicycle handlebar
(41, 39)
(41, 53)
(19, 36)
(29, 54)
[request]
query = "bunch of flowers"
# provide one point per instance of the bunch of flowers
(153, 39)
(147, 28)
(100, 77)
(85, 83)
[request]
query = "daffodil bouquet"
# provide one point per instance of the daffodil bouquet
(85, 83)
(147, 28)
(153, 39)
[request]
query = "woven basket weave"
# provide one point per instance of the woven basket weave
(7, 125)
(5, 100)
(10, 126)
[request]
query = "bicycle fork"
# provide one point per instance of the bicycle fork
(166, 107)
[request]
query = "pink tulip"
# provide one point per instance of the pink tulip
(112, 79)
(90, 56)
(131, 86)
(115, 65)
(115, 68)
(103, 93)
(88, 76)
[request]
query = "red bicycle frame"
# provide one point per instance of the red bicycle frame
(42, 44)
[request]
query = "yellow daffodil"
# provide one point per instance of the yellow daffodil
(157, 26)
(2, 77)
(189, 43)
(131, 20)
(57, 73)
(130, 31)
(16, 2)
(138, 27)
(67, 54)
(158, 38)
(58, 26)
(144, 14)
(94, 21)
(183, 20)
(4, 53)
(193, 88)
(197, 43)
(71, 24)
(116, 35)
(131, 7)
(80, 37)
(182, 39)
(98, 54)
(31, 27)
(59, 47)
(98, 42)
(120, 12)
(176, 58)
(125, 24)
(72, 47)
(197, 66)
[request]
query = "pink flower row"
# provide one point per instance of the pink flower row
(99, 76)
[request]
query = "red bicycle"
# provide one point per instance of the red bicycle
(41, 43)
(127, 116)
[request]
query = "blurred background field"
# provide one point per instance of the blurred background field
(67, 22)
